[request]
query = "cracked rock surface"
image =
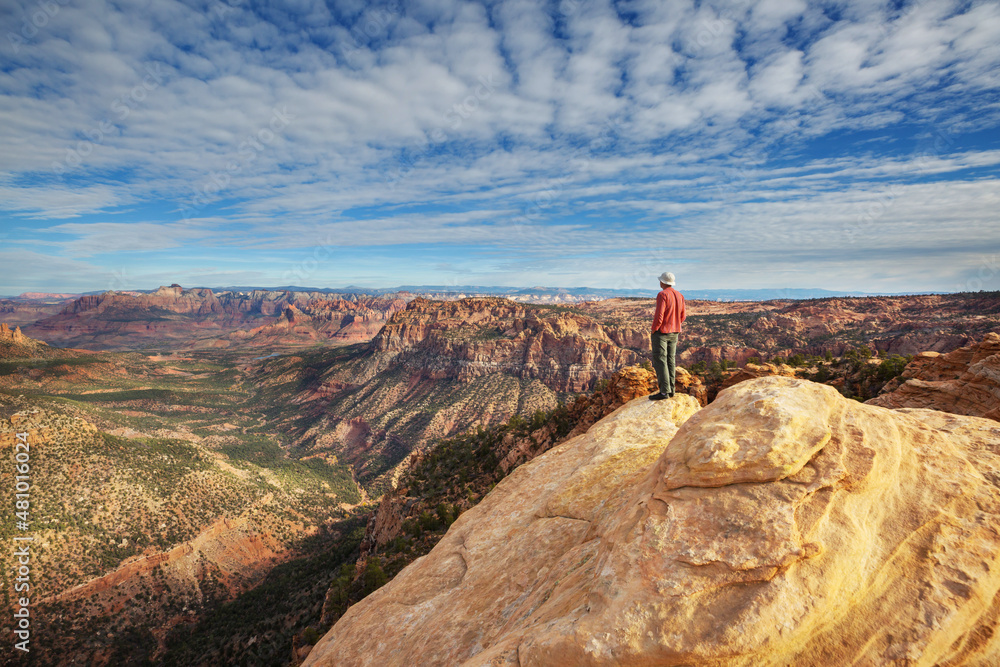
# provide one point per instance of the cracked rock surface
(782, 524)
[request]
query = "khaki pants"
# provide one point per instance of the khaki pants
(664, 351)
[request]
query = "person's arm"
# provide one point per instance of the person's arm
(683, 313)
(661, 311)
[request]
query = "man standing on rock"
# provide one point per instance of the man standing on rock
(666, 325)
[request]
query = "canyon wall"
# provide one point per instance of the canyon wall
(177, 318)
(965, 381)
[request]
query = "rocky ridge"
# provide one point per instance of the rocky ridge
(741, 331)
(178, 318)
(160, 590)
(15, 345)
(965, 381)
(782, 524)
(471, 338)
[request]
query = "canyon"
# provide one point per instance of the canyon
(336, 435)
(176, 318)
(436, 369)
(154, 500)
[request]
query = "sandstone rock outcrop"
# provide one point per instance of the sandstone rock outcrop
(965, 381)
(750, 371)
(14, 337)
(753, 371)
(14, 344)
(781, 525)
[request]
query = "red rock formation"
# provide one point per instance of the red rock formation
(965, 381)
(14, 344)
(740, 330)
(173, 317)
(14, 337)
(471, 338)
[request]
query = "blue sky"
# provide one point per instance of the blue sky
(774, 144)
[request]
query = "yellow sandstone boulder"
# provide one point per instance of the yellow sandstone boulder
(781, 525)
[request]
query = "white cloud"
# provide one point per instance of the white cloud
(589, 115)
(60, 201)
(777, 83)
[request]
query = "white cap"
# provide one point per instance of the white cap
(667, 278)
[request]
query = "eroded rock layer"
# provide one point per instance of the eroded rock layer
(176, 318)
(965, 381)
(782, 524)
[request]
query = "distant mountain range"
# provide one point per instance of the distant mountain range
(570, 294)
(536, 294)
(565, 293)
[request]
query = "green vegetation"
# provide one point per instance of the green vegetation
(470, 459)
(289, 601)
(311, 474)
(8, 367)
(188, 448)
(864, 378)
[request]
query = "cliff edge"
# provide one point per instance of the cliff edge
(782, 524)
(965, 381)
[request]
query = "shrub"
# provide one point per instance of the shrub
(427, 521)
(891, 367)
(374, 576)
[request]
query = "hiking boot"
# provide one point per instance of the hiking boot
(658, 396)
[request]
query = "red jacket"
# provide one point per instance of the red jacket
(669, 311)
